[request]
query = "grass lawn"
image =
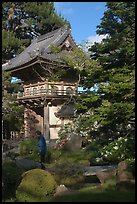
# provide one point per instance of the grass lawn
(97, 194)
(90, 193)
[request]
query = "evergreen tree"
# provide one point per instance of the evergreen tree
(110, 109)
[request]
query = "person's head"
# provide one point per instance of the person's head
(38, 133)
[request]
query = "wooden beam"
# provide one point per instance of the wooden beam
(46, 130)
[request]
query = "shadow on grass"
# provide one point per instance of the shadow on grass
(99, 195)
(86, 194)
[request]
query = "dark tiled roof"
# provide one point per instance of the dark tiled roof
(40, 47)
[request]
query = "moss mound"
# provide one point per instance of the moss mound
(36, 185)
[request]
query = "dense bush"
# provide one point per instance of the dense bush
(93, 146)
(29, 149)
(60, 143)
(94, 151)
(68, 173)
(118, 150)
(35, 186)
(11, 175)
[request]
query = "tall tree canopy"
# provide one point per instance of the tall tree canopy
(111, 106)
(22, 21)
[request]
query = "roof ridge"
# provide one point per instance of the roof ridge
(51, 34)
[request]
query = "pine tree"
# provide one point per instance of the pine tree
(112, 103)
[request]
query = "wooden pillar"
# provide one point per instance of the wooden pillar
(46, 130)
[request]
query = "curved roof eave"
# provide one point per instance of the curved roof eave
(40, 47)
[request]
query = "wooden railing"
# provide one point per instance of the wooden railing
(38, 91)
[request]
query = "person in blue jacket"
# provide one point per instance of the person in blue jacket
(41, 147)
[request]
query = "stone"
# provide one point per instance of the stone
(61, 189)
(123, 174)
(105, 175)
(27, 163)
(75, 143)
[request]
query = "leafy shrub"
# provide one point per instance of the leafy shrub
(118, 150)
(29, 149)
(96, 159)
(60, 144)
(35, 186)
(11, 175)
(68, 173)
(55, 154)
(48, 156)
(10, 172)
(93, 146)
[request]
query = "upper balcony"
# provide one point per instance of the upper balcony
(50, 89)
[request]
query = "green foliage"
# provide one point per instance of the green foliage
(14, 115)
(10, 172)
(97, 194)
(48, 156)
(12, 112)
(119, 150)
(68, 173)
(11, 175)
(29, 149)
(55, 155)
(93, 146)
(79, 60)
(59, 156)
(22, 21)
(35, 186)
(108, 110)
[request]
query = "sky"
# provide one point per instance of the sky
(83, 17)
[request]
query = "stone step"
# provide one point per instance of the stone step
(92, 170)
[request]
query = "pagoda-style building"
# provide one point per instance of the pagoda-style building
(48, 100)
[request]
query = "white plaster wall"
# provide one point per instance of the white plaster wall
(54, 133)
(53, 120)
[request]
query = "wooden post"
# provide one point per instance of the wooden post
(46, 130)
